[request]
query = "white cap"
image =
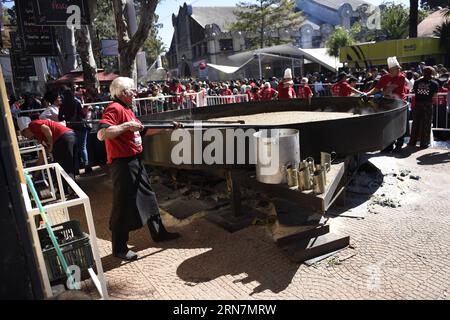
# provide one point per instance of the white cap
(393, 62)
(305, 80)
(267, 85)
(23, 123)
(288, 74)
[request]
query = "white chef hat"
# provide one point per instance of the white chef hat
(393, 62)
(23, 123)
(288, 73)
(305, 80)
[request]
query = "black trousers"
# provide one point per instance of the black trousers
(134, 202)
(421, 127)
(65, 152)
(398, 144)
(120, 237)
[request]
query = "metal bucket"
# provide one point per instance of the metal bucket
(276, 150)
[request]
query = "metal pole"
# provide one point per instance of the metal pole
(293, 68)
(260, 66)
(302, 66)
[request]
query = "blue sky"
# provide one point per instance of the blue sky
(167, 7)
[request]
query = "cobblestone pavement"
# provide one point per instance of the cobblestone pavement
(400, 252)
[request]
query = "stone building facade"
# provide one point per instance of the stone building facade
(201, 34)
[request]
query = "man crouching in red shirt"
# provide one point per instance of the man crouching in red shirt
(342, 88)
(134, 202)
(56, 138)
(393, 85)
(304, 91)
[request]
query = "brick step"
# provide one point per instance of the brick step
(306, 249)
(305, 235)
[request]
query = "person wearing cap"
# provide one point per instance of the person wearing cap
(425, 90)
(304, 91)
(134, 202)
(342, 88)
(286, 87)
(393, 85)
(268, 93)
(56, 138)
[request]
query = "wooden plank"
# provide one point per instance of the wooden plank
(311, 248)
(333, 180)
(6, 111)
(306, 200)
(305, 235)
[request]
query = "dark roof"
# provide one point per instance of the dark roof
(221, 16)
(336, 4)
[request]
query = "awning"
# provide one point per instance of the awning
(224, 69)
(319, 55)
(78, 77)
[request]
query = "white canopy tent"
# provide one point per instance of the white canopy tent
(156, 72)
(289, 51)
(224, 69)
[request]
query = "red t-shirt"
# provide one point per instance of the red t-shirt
(254, 96)
(304, 92)
(227, 92)
(342, 89)
(267, 94)
(441, 99)
(57, 129)
(393, 87)
(176, 90)
(286, 93)
(128, 144)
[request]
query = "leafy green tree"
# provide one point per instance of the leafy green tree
(394, 22)
(446, 12)
(341, 37)
(443, 32)
(264, 18)
(434, 4)
(105, 22)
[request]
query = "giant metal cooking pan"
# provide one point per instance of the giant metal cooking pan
(381, 122)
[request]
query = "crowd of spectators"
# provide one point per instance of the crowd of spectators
(70, 106)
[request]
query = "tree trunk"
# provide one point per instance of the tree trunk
(413, 17)
(262, 27)
(130, 46)
(96, 47)
(87, 60)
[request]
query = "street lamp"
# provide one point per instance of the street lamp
(215, 48)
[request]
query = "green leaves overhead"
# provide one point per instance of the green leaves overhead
(267, 20)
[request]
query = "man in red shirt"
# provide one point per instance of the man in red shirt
(226, 92)
(393, 86)
(342, 88)
(176, 90)
(286, 87)
(304, 91)
(56, 138)
(268, 93)
(134, 202)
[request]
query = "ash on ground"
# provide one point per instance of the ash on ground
(378, 189)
